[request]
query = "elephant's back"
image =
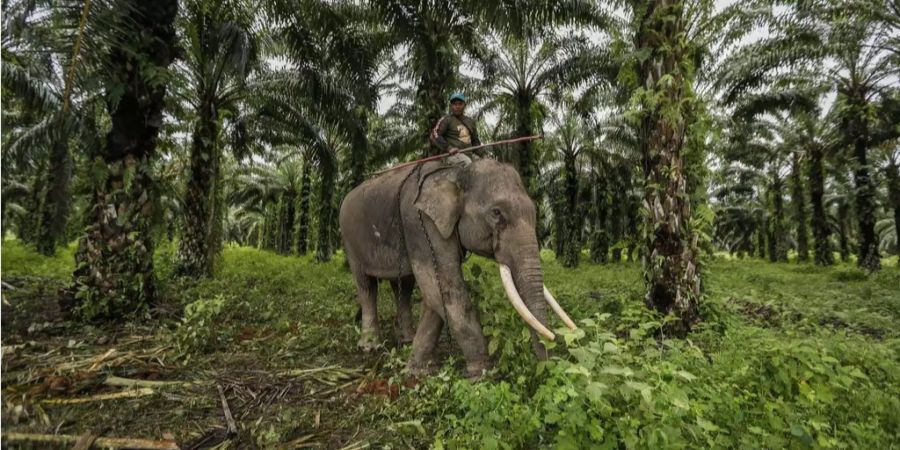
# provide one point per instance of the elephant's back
(372, 198)
(370, 225)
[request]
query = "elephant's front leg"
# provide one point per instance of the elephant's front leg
(465, 326)
(446, 298)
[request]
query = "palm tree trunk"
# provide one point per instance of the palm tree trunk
(114, 263)
(671, 274)
(290, 214)
(869, 259)
(217, 217)
(600, 238)
(30, 223)
(799, 202)
(572, 241)
(359, 151)
(280, 220)
(55, 203)
(557, 207)
(434, 84)
(893, 176)
(821, 231)
(777, 244)
(761, 239)
(324, 249)
(617, 229)
(305, 193)
(194, 258)
(844, 230)
(526, 163)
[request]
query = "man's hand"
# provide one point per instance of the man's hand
(452, 151)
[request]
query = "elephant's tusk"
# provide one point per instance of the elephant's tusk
(558, 309)
(513, 295)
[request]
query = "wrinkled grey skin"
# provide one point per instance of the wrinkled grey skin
(482, 208)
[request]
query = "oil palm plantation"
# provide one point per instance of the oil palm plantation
(851, 40)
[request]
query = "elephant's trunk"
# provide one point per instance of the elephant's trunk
(512, 293)
(524, 285)
(530, 282)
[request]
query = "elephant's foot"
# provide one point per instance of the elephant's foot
(368, 342)
(478, 370)
(406, 335)
(420, 370)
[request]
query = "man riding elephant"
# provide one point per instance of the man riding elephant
(455, 131)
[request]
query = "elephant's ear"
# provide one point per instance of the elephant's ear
(440, 201)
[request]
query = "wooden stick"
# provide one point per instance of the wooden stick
(109, 353)
(300, 442)
(465, 150)
(232, 427)
(140, 444)
(86, 441)
(113, 380)
(142, 392)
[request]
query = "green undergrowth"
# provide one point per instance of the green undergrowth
(787, 356)
(19, 260)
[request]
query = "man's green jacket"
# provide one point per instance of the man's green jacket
(452, 131)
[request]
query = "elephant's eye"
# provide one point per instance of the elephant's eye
(496, 213)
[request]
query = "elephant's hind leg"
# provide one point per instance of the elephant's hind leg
(367, 295)
(403, 295)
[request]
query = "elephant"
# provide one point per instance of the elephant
(414, 225)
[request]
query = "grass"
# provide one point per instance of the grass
(788, 356)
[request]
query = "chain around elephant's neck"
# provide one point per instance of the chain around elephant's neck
(434, 261)
(402, 250)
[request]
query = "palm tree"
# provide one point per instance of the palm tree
(840, 204)
(810, 136)
(569, 141)
(46, 112)
(221, 50)
(615, 157)
(520, 75)
(741, 210)
(812, 132)
(114, 262)
(798, 202)
(337, 65)
(671, 272)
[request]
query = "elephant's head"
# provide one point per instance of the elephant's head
(487, 204)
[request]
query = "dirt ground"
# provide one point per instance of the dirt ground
(67, 384)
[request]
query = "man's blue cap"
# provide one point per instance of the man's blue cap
(457, 96)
